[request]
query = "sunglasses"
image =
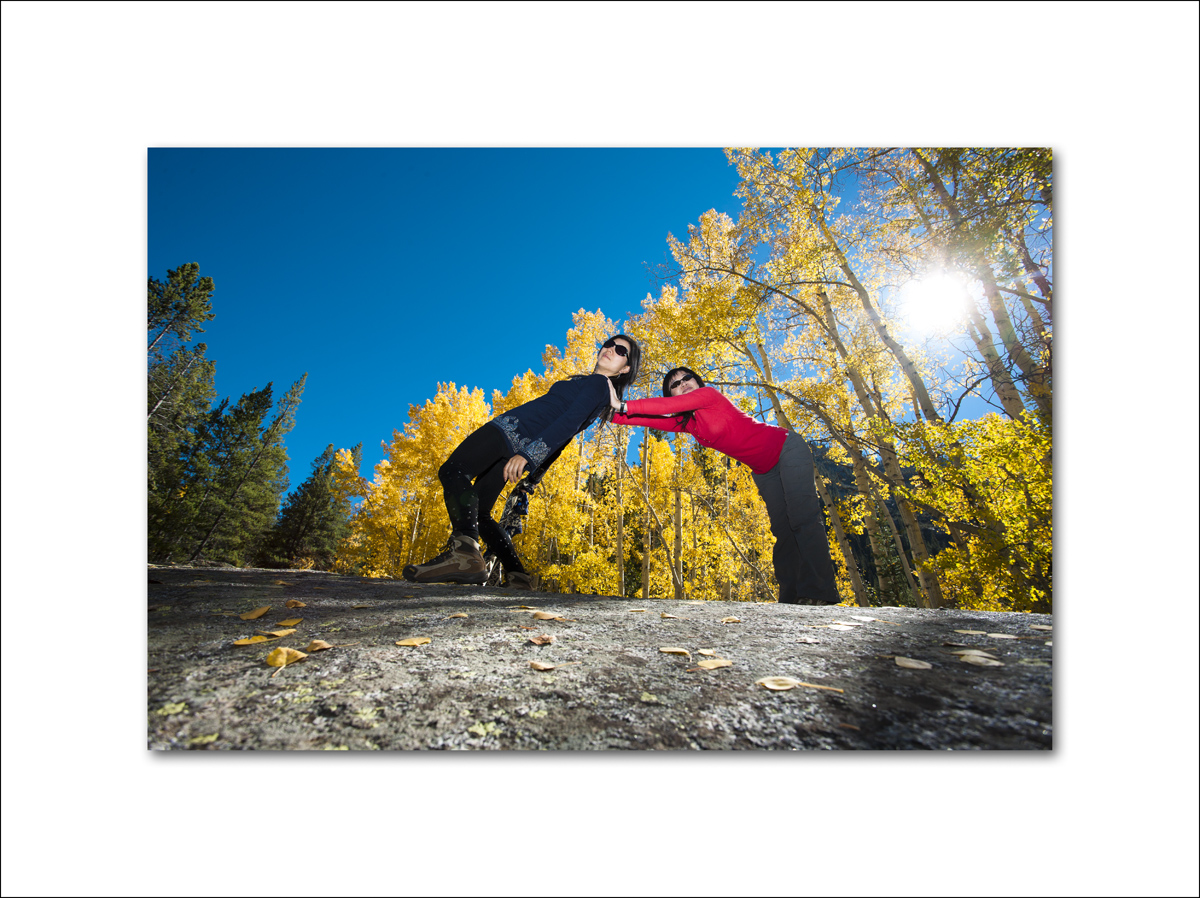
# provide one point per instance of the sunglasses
(617, 347)
(676, 383)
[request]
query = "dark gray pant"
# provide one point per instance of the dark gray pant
(802, 563)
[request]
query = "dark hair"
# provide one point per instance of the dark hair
(621, 381)
(685, 417)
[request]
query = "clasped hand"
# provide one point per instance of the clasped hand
(514, 468)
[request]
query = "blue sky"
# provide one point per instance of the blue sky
(382, 272)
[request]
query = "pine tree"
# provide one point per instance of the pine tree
(313, 520)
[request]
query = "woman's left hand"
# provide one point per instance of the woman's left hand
(515, 468)
(613, 399)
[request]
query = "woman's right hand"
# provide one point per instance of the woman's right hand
(613, 399)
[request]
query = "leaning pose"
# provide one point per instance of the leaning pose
(781, 462)
(531, 435)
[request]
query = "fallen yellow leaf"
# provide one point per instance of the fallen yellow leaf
(204, 740)
(972, 632)
(283, 656)
(666, 616)
(1050, 642)
(253, 640)
(294, 603)
(290, 622)
(256, 613)
(547, 615)
(1002, 636)
(781, 683)
(705, 652)
(731, 620)
(635, 610)
(416, 640)
(360, 606)
(317, 645)
(973, 652)
(278, 634)
(1039, 627)
(670, 650)
(981, 660)
(538, 665)
(912, 663)
(459, 614)
(714, 663)
(541, 640)
(521, 608)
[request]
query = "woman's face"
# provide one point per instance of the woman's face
(681, 382)
(610, 362)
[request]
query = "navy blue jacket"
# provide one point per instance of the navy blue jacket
(546, 424)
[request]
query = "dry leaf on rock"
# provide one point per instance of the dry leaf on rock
(521, 608)
(706, 652)
(256, 613)
(278, 634)
(294, 603)
(671, 650)
(459, 614)
(666, 616)
(1033, 662)
(547, 615)
(1049, 642)
(317, 645)
(973, 652)
(538, 665)
(283, 656)
(1002, 636)
(779, 684)
(972, 632)
(281, 583)
(362, 606)
(856, 617)
(416, 640)
(731, 620)
(252, 640)
(842, 627)
(912, 663)
(981, 660)
(1039, 627)
(635, 610)
(290, 622)
(714, 663)
(541, 640)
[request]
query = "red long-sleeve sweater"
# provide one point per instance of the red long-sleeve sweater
(717, 424)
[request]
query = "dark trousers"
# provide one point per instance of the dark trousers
(472, 479)
(802, 563)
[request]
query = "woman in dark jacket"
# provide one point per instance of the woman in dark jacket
(782, 466)
(529, 436)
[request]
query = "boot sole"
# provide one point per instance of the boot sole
(468, 578)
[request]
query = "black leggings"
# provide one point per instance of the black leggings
(481, 458)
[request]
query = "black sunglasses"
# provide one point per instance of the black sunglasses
(676, 383)
(613, 344)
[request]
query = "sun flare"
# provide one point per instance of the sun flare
(934, 305)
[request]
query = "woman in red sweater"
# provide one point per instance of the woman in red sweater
(782, 467)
